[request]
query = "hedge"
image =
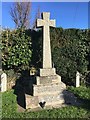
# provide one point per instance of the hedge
(16, 49)
(70, 50)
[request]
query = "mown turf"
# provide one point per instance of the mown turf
(9, 107)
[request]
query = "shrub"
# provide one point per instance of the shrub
(69, 52)
(16, 49)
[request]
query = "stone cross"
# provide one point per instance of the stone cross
(46, 23)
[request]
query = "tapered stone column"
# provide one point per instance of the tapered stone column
(45, 22)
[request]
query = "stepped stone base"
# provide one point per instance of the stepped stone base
(31, 101)
(43, 80)
(52, 94)
(47, 72)
(50, 100)
(48, 90)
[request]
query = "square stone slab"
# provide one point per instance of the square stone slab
(31, 101)
(48, 79)
(47, 72)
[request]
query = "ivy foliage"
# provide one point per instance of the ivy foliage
(16, 49)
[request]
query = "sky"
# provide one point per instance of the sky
(66, 14)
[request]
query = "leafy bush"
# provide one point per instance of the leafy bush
(70, 52)
(16, 49)
(88, 43)
(37, 48)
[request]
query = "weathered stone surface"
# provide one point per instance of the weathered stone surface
(52, 99)
(48, 79)
(57, 101)
(3, 79)
(1, 72)
(47, 72)
(48, 86)
(10, 84)
(77, 84)
(45, 22)
(31, 101)
(48, 89)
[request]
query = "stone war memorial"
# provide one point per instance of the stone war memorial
(49, 89)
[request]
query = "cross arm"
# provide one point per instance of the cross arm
(52, 23)
(40, 23)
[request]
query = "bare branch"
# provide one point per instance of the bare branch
(36, 17)
(20, 13)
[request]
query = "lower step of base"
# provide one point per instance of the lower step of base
(43, 101)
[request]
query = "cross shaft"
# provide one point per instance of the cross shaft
(46, 23)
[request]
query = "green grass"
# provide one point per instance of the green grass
(9, 108)
(81, 92)
(8, 103)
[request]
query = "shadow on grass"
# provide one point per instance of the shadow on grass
(85, 103)
(80, 101)
(24, 85)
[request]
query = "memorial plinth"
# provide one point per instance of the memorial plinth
(48, 88)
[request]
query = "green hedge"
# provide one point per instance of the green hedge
(16, 49)
(70, 50)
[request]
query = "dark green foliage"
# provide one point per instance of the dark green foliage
(36, 40)
(88, 79)
(70, 51)
(16, 49)
(88, 43)
(37, 48)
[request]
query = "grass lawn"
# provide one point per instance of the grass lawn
(9, 107)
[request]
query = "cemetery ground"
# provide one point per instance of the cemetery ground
(9, 106)
(46, 86)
